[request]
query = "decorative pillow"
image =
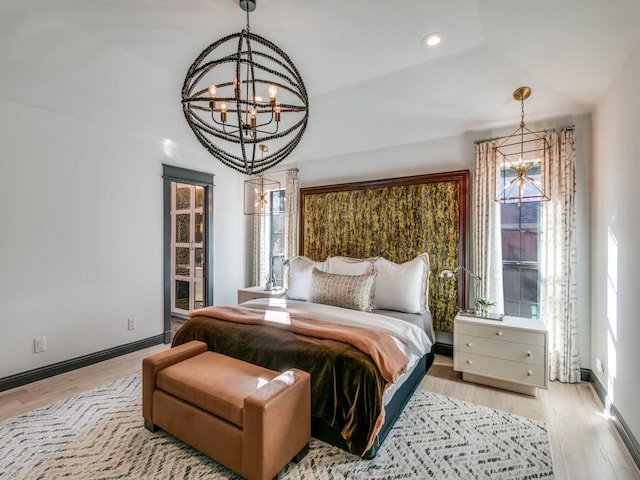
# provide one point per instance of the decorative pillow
(346, 291)
(349, 266)
(403, 287)
(300, 277)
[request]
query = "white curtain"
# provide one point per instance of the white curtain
(486, 229)
(558, 260)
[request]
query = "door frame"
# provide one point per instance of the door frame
(192, 245)
(171, 173)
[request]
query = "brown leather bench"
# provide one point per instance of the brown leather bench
(250, 419)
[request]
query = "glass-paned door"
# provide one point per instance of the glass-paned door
(187, 252)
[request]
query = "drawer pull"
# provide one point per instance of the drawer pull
(529, 373)
(470, 362)
(469, 344)
(499, 333)
(529, 354)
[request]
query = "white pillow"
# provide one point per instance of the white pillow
(402, 287)
(349, 266)
(300, 269)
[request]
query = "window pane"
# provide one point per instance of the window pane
(529, 288)
(510, 245)
(512, 308)
(182, 228)
(529, 246)
(182, 261)
(199, 261)
(199, 227)
(511, 284)
(199, 197)
(182, 295)
(198, 294)
(510, 215)
(529, 212)
(183, 196)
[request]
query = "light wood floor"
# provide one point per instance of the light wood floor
(584, 442)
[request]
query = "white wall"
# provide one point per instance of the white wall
(81, 234)
(615, 239)
(456, 153)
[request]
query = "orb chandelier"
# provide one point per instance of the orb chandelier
(243, 91)
(523, 157)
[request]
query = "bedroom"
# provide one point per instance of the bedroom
(90, 112)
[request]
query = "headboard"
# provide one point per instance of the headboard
(395, 218)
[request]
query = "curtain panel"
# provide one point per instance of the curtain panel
(558, 253)
(292, 210)
(486, 228)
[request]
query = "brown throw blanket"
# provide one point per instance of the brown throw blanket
(350, 367)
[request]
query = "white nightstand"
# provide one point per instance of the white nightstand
(250, 293)
(510, 354)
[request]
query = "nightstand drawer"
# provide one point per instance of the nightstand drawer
(501, 369)
(501, 333)
(517, 352)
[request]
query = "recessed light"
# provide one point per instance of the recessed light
(432, 39)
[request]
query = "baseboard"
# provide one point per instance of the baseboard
(627, 436)
(599, 388)
(445, 349)
(586, 374)
(41, 373)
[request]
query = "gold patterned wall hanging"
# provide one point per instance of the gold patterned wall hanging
(395, 218)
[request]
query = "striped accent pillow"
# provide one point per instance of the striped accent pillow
(347, 291)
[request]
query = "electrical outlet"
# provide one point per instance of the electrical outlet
(599, 365)
(40, 344)
(131, 323)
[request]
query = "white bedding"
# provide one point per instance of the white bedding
(409, 338)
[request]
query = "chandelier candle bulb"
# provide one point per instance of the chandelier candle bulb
(223, 112)
(273, 92)
(213, 92)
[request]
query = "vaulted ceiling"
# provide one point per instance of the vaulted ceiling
(372, 84)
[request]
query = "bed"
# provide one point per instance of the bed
(355, 401)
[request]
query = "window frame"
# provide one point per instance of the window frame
(521, 264)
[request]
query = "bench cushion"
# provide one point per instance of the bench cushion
(216, 383)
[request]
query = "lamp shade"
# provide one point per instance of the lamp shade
(523, 157)
(259, 198)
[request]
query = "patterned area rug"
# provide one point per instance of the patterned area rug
(99, 435)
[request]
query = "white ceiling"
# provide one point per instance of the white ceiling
(371, 83)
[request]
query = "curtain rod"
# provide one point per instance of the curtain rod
(548, 130)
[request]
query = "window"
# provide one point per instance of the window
(276, 236)
(521, 258)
